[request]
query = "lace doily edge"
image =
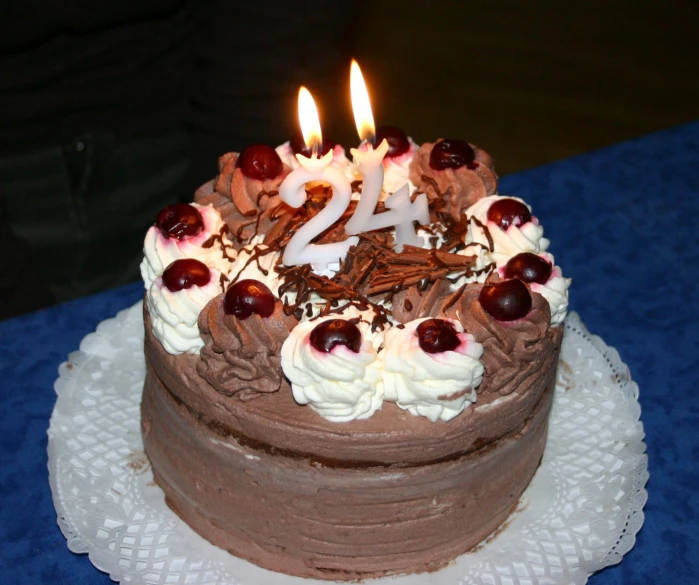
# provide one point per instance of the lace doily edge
(626, 539)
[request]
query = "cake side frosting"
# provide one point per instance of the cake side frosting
(299, 516)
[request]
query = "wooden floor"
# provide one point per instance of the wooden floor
(531, 82)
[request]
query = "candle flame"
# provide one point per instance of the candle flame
(361, 107)
(308, 119)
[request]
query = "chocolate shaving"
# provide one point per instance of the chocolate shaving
(262, 194)
(301, 281)
(415, 266)
(222, 238)
(486, 231)
(255, 254)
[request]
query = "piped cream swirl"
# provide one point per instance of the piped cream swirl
(528, 237)
(160, 251)
(174, 315)
(340, 385)
(439, 385)
(554, 290)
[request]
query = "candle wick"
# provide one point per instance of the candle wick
(371, 140)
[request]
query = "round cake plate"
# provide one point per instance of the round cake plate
(580, 514)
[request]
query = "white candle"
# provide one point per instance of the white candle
(292, 191)
(406, 214)
(370, 164)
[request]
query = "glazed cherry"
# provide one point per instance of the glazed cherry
(506, 300)
(246, 297)
(326, 335)
(437, 335)
(179, 221)
(186, 273)
(298, 146)
(506, 212)
(452, 153)
(259, 161)
(528, 267)
(398, 142)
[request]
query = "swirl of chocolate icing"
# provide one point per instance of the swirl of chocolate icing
(411, 303)
(513, 349)
(458, 189)
(248, 206)
(242, 358)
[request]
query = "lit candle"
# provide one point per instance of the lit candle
(292, 191)
(403, 213)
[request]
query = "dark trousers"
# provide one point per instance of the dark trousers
(73, 217)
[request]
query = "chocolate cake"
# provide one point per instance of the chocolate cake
(379, 415)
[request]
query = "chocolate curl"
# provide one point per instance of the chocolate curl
(416, 266)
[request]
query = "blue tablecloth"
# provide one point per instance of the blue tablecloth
(623, 221)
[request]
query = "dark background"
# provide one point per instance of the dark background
(531, 82)
(110, 111)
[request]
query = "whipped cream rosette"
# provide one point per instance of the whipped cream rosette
(341, 384)
(551, 284)
(209, 245)
(521, 235)
(438, 385)
(555, 291)
(174, 314)
(397, 170)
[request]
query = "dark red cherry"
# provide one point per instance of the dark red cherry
(398, 142)
(452, 153)
(179, 220)
(506, 300)
(528, 267)
(326, 335)
(298, 146)
(186, 273)
(506, 212)
(437, 335)
(259, 161)
(246, 297)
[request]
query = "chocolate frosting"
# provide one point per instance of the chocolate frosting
(410, 303)
(512, 350)
(248, 206)
(453, 190)
(242, 358)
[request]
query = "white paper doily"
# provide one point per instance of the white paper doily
(581, 512)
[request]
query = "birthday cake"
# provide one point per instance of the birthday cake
(377, 414)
